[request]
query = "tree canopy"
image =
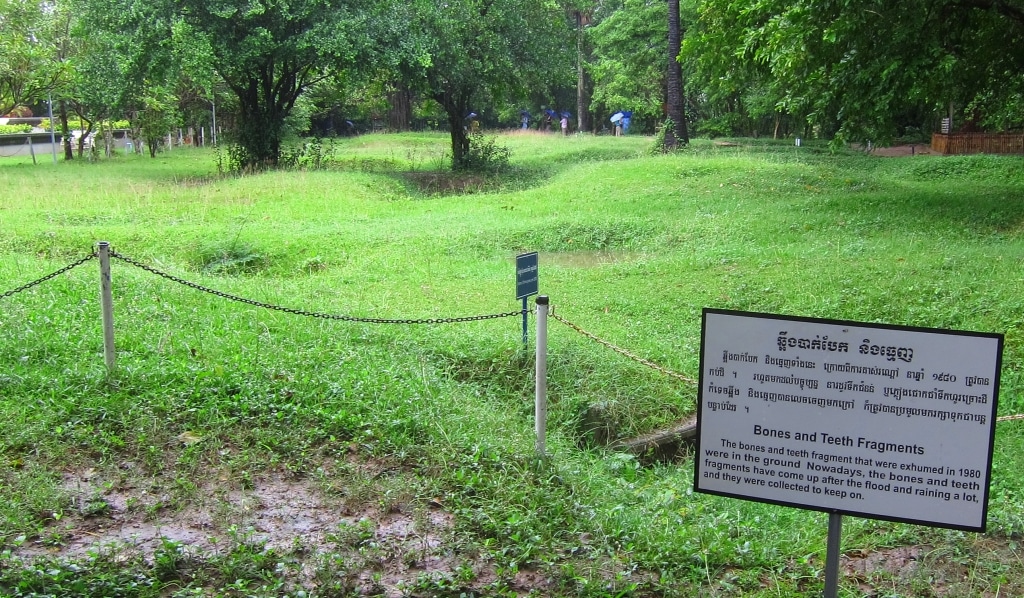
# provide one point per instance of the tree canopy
(29, 68)
(864, 68)
(268, 53)
(631, 58)
(480, 51)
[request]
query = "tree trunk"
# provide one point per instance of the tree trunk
(400, 108)
(456, 106)
(264, 101)
(259, 128)
(582, 80)
(69, 151)
(85, 135)
(677, 135)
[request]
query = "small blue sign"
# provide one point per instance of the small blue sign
(526, 275)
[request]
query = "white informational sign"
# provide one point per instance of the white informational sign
(871, 420)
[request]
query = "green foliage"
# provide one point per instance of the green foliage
(157, 117)
(231, 258)
(122, 58)
(872, 70)
(104, 574)
(469, 52)
(268, 56)
(659, 146)
(14, 129)
(486, 155)
(29, 68)
(311, 155)
(631, 57)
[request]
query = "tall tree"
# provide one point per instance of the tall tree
(124, 56)
(582, 14)
(270, 51)
(496, 49)
(678, 134)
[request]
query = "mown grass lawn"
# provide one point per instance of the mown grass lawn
(241, 450)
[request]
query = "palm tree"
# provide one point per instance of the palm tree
(674, 81)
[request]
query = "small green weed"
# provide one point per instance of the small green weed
(231, 259)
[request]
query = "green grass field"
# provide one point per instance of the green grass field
(226, 423)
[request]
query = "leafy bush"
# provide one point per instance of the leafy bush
(659, 137)
(485, 155)
(311, 155)
(725, 125)
(15, 129)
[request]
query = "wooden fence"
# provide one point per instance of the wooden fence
(978, 143)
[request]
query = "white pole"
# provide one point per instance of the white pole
(541, 406)
(53, 138)
(107, 304)
(213, 124)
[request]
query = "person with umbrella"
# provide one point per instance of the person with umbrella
(617, 121)
(565, 123)
(549, 114)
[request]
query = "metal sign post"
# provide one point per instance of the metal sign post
(526, 284)
(835, 532)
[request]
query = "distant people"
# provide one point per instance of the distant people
(626, 117)
(525, 118)
(617, 121)
(547, 120)
(565, 124)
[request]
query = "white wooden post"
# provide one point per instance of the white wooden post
(541, 403)
(107, 306)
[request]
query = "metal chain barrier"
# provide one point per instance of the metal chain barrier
(346, 318)
(622, 351)
(302, 312)
(40, 281)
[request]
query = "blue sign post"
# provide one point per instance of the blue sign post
(526, 283)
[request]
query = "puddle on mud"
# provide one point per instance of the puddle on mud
(586, 259)
(277, 511)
